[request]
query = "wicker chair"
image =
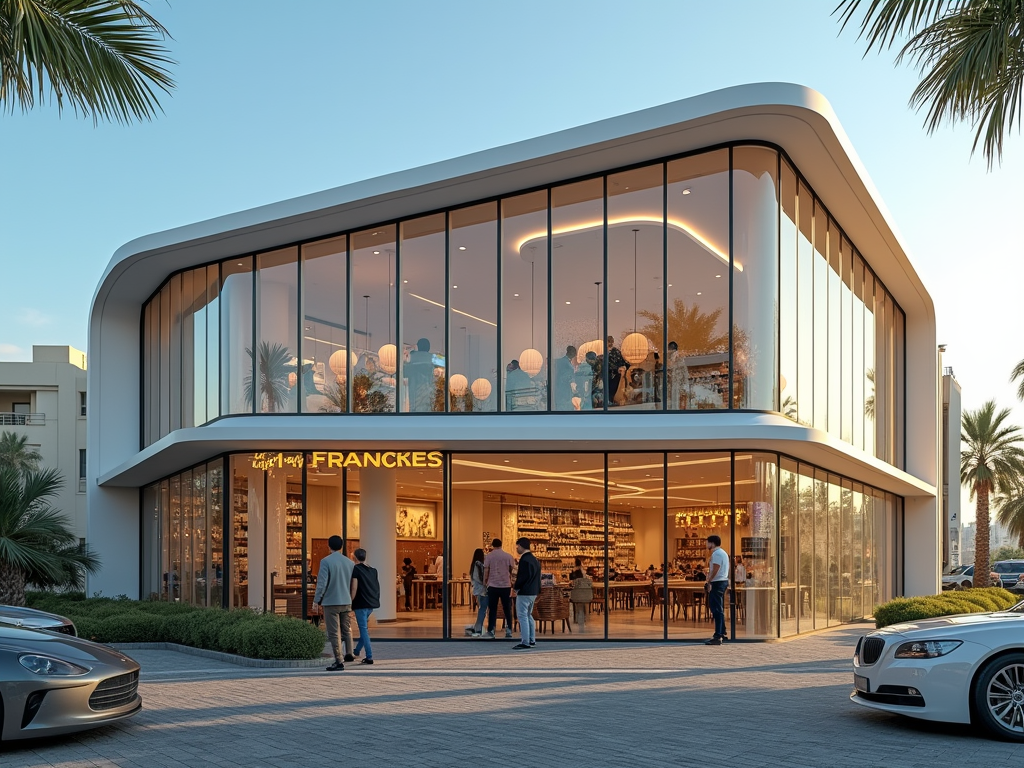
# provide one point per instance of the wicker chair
(551, 606)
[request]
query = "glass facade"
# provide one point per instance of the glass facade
(810, 549)
(629, 291)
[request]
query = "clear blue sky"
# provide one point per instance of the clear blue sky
(277, 100)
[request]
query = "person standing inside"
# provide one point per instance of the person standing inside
(527, 588)
(476, 578)
(334, 595)
(617, 367)
(439, 566)
(741, 571)
(408, 571)
(498, 567)
(565, 374)
(581, 594)
(365, 597)
(716, 585)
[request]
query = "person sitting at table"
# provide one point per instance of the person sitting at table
(698, 574)
(649, 573)
(577, 572)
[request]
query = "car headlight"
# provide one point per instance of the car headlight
(927, 649)
(48, 665)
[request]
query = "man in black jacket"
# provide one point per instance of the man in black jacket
(365, 597)
(527, 588)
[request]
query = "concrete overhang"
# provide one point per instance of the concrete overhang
(505, 433)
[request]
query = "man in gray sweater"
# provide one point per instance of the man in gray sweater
(333, 592)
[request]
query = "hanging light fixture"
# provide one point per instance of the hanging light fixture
(530, 360)
(458, 384)
(339, 360)
(635, 347)
(481, 389)
(596, 346)
(388, 353)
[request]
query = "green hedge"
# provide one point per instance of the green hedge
(946, 604)
(241, 631)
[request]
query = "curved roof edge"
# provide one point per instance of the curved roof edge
(786, 114)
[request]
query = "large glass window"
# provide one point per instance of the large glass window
(524, 308)
(755, 278)
(636, 236)
(326, 358)
(236, 334)
(756, 528)
(835, 331)
(276, 384)
(788, 301)
(473, 297)
(791, 596)
(372, 386)
(821, 317)
(805, 307)
(423, 315)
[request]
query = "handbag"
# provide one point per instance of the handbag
(315, 609)
(582, 590)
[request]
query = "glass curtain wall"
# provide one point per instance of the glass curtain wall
(780, 312)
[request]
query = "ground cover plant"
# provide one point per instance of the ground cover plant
(239, 631)
(980, 600)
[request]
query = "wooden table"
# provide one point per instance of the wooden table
(462, 589)
(422, 590)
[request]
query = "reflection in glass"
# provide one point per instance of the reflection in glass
(821, 313)
(805, 306)
(326, 359)
(213, 342)
(423, 315)
(756, 607)
(473, 297)
(236, 363)
(790, 594)
(372, 386)
(275, 387)
(524, 303)
(174, 371)
(835, 331)
(788, 302)
(635, 286)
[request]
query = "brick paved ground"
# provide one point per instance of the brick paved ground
(480, 704)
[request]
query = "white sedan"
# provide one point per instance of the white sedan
(955, 669)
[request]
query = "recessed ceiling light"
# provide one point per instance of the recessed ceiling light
(568, 302)
(376, 253)
(455, 286)
(698, 293)
(462, 247)
(405, 281)
(670, 285)
(516, 295)
(616, 301)
(717, 275)
(241, 264)
(687, 191)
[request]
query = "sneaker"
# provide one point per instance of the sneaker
(366, 661)
(713, 641)
(349, 657)
(487, 635)
(475, 634)
(336, 667)
(532, 644)
(521, 647)
(508, 634)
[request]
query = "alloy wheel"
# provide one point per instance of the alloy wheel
(1005, 697)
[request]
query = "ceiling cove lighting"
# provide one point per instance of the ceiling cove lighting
(675, 224)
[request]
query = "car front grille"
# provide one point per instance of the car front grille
(871, 650)
(115, 692)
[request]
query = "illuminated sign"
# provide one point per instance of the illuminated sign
(386, 459)
(267, 461)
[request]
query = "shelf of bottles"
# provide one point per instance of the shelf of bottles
(691, 550)
(293, 535)
(240, 523)
(559, 535)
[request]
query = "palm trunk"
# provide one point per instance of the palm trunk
(12, 585)
(981, 553)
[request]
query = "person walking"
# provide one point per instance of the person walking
(498, 577)
(716, 585)
(365, 597)
(527, 588)
(334, 595)
(476, 578)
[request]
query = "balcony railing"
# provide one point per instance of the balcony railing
(22, 419)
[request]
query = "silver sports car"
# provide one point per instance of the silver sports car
(52, 683)
(33, 619)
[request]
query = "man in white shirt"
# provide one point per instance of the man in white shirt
(439, 566)
(716, 585)
(741, 571)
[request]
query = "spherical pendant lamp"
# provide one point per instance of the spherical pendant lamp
(635, 348)
(531, 361)
(458, 384)
(339, 359)
(388, 358)
(597, 347)
(481, 389)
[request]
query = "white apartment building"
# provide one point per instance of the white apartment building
(45, 401)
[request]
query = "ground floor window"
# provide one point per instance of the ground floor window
(808, 549)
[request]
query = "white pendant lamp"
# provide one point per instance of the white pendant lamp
(531, 361)
(338, 361)
(635, 348)
(458, 384)
(388, 355)
(596, 346)
(481, 389)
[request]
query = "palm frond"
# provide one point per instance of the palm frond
(104, 58)
(886, 20)
(1018, 373)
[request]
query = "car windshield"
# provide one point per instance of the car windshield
(1014, 567)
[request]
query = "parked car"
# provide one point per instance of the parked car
(956, 669)
(54, 683)
(962, 577)
(1009, 571)
(33, 619)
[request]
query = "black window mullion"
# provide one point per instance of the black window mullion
(397, 341)
(603, 299)
(732, 314)
(447, 311)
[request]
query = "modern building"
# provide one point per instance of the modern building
(44, 400)
(615, 340)
(952, 413)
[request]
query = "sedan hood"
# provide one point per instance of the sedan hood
(963, 624)
(29, 617)
(23, 640)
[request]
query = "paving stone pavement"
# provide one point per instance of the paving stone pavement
(480, 703)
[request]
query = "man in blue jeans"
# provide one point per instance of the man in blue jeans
(527, 588)
(716, 585)
(365, 597)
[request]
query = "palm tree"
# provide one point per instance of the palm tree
(103, 57)
(272, 369)
(15, 452)
(695, 332)
(1018, 373)
(36, 545)
(970, 54)
(1011, 512)
(992, 463)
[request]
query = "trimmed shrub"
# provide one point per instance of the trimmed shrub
(904, 609)
(240, 631)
